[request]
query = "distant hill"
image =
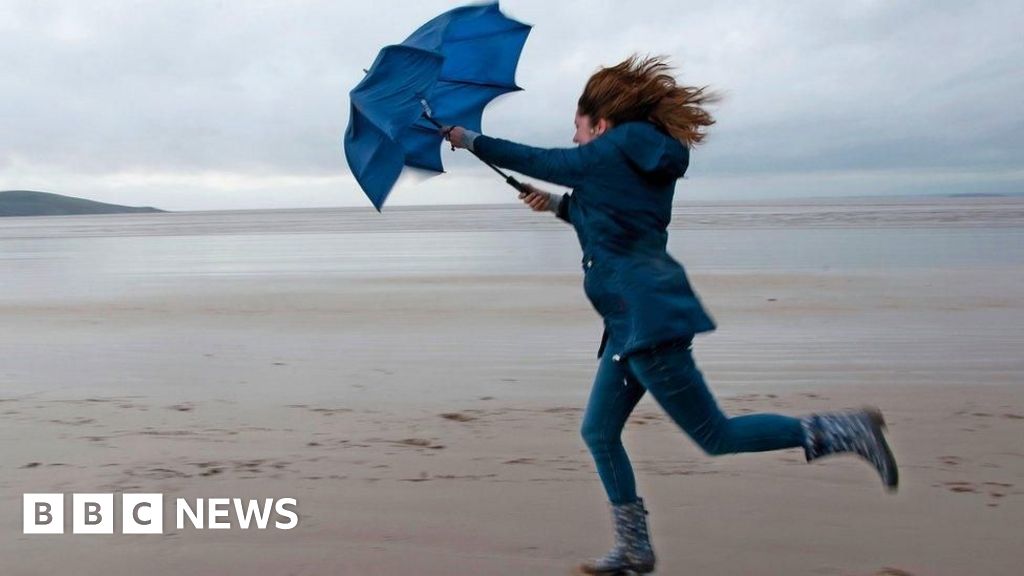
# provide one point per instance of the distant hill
(29, 203)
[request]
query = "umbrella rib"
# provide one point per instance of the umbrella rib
(509, 87)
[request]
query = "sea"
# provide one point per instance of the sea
(101, 256)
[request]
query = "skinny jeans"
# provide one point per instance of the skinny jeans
(669, 373)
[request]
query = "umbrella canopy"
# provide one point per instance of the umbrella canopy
(446, 72)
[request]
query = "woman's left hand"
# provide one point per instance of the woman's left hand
(535, 198)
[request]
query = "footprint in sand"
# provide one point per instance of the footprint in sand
(157, 473)
(962, 487)
(463, 476)
(996, 491)
(80, 421)
(457, 416)
(562, 410)
(417, 443)
(209, 468)
(250, 466)
(330, 411)
(892, 572)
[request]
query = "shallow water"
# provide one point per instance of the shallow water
(100, 257)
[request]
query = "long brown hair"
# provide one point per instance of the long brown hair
(644, 89)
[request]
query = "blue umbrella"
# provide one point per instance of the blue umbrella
(445, 73)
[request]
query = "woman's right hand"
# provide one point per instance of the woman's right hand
(456, 135)
(535, 198)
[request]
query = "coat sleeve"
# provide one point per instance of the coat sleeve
(563, 208)
(562, 166)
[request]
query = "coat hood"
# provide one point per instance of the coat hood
(650, 150)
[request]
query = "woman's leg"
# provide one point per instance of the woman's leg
(612, 399)
(671, 376)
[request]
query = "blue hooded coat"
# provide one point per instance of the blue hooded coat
(620, 207)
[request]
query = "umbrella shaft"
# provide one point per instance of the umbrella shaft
(511, 181)
(508, 179)
(432, 121)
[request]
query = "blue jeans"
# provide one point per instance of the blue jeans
(671, 376)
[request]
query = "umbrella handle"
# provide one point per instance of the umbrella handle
(519, 186)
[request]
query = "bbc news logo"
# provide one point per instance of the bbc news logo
(144, 513)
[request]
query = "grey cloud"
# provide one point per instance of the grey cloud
(261, 87)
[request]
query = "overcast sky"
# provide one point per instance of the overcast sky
(193, 105)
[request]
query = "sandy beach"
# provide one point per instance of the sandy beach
(429, 425)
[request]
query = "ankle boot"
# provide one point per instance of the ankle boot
(632, 552)
(857, 432)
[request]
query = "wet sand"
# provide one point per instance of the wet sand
(430, 425)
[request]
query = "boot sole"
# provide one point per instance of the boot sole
(632, 572)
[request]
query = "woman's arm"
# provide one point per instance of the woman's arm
(562, 166)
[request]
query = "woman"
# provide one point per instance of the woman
(634, 128)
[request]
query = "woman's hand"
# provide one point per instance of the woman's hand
(456, 135)
(536, 198)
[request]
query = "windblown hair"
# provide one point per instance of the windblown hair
(644, 89)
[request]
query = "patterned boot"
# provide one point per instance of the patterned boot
(858, 432)
(632, 553)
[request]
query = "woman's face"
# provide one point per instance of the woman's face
(586, 130)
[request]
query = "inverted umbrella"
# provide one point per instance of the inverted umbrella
(445, 73)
